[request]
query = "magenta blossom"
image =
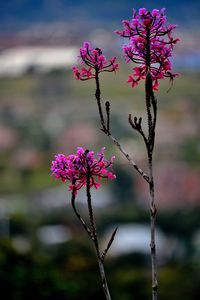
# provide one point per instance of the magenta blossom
(150, 45)
(82, 166)
(95, 63)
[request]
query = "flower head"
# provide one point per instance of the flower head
(150, 45)
(94, 61)
(82, 166)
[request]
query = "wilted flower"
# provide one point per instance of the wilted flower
(83, 166)
(95, 62)
(150, 45)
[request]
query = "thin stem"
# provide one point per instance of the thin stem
(95, 239)
(128, 157)
(103, 279)
(154, 104)
(137, 125)
(91, 214)
(87, 229)
(152, 117)
(107, 130)
(104, 253)
(153, 211)
(148, 88)
(98, 98)
(107, 106)
(151, 106)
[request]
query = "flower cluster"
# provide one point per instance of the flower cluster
(150, 45)
(80, 167)
(95, 62)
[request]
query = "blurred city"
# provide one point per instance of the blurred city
(44, 252)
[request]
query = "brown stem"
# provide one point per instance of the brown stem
(87, 229)
(91, 214)
(128, 157)
(151, 107)
(137, 125)
(103, 255)
(95, 239)
(107, 106)
(153, 212)
(107, 130)
(98, 98)
(148, 88)
(103, 280)
(152, 117)
(154, 104)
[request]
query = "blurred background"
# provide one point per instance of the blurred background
(44, 252)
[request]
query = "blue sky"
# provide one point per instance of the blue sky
(14, 12)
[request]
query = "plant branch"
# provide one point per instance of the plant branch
(95, 239)
(91, 214)
(107, 106)
(154, 104)
(103, 255)
(137, 125)
(98, 98)
(152, 118)
(107, 131)
(128, 157)
(148, 89)
(87, 229)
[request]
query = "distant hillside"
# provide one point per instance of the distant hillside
(15, 12)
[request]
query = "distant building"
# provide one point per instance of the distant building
(132, 238)
(21, 60)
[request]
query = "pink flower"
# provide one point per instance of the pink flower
(135, 22)
(142, 11)
(139, 72)
(155, 85)
(150, 45)
(94, 61)
(132, 81)
(77, 168)
(155, 13)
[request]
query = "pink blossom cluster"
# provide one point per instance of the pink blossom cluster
(150, 45)
(95, 62)
(77, 168)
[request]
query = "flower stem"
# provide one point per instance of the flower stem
(95, 239)
(152, 117)
(93, 236)
(98, 98)
(153, 212)
(103, 280)
(108, 132)
(151, 107)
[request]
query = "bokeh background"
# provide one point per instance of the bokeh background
(44, 252)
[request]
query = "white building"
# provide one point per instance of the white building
(17, 61)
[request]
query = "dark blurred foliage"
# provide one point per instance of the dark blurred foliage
(69, 274)
(69, 271)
